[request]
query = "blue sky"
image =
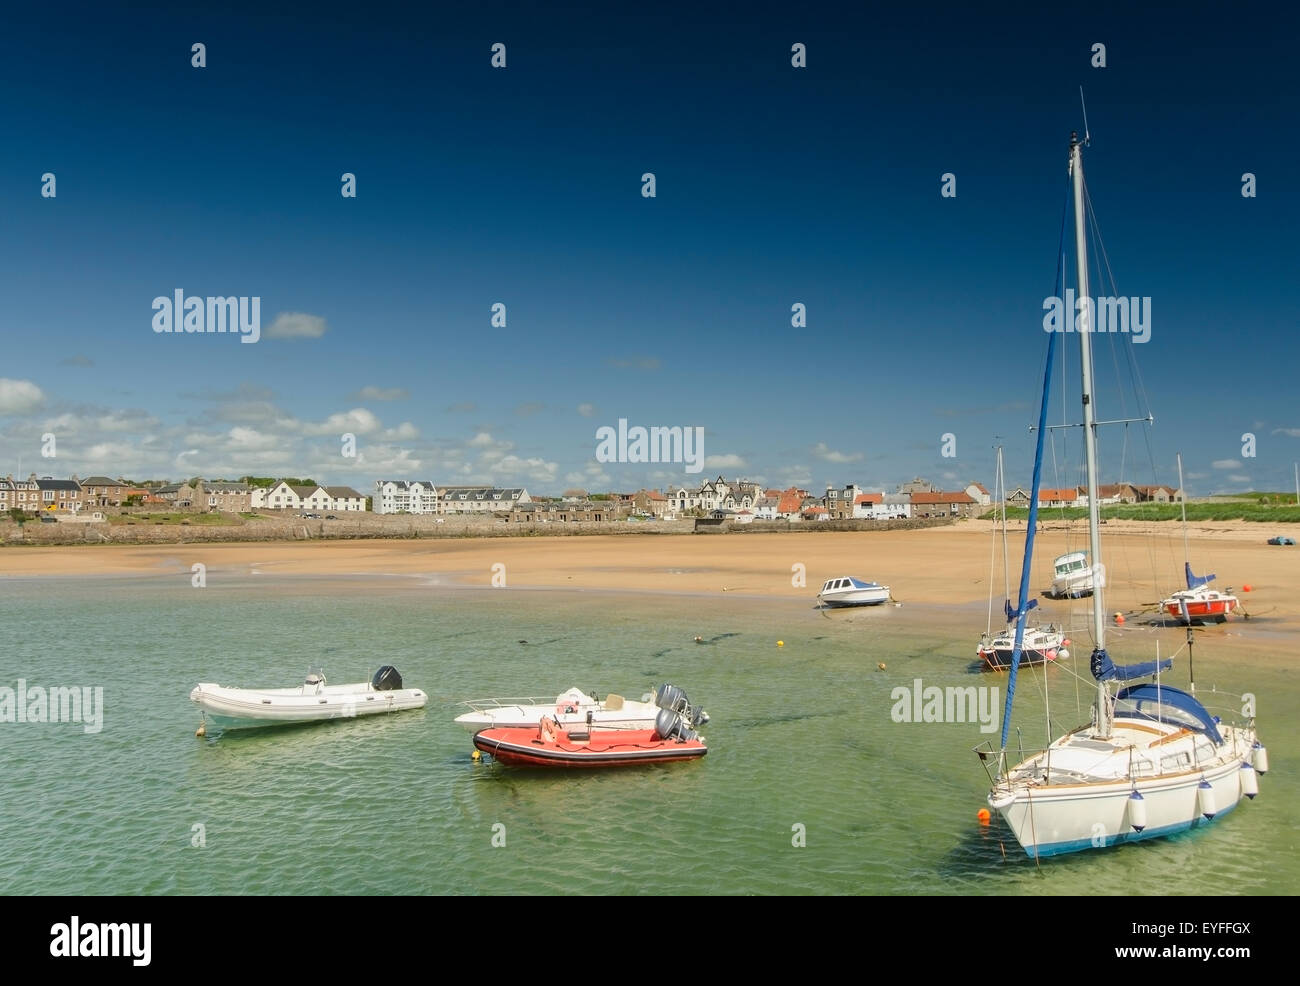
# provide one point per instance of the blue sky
(522, 185)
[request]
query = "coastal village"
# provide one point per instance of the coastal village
(96, 498)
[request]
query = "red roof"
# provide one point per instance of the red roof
(941, 498)
(1048, 495)
(655, 495)
(869, 498)
(790, 503)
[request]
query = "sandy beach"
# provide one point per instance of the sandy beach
(940, 565)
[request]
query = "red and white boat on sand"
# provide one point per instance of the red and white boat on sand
(549, 745)
(1198, 601)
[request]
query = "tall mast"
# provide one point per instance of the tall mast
(1084, 327)
(1006, 555)
(1182, 499)
(1297, 483)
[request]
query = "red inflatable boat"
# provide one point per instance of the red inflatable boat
(550, 746)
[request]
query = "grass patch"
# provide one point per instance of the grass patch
(1229, 510)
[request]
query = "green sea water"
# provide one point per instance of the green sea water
(802, 749)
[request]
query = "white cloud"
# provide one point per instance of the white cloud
(481, 440)
(403, 432)
(250, 439)
(831, 455)
(381, 394)
(586, 410)
(19, 396)
(296, 325)
(358, 421)
(1226, 464)
(108, 453)
(1239, 479)
(1289, 432)
(729, 461)
(1197, 475)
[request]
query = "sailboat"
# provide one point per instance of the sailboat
(1153, 761)
(1198, 601)
(1039, 644)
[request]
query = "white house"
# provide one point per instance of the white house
(882, 506)
(344, 499)
(396, 496)
(314, 499)
(979, 494)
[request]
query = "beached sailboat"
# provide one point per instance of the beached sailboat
(314, 700)
(1039, 644)
(1153, 761)
(1198, 602)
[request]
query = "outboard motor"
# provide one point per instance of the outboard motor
(386, 679)
(669, 725)
(675, 700)
(672, 698)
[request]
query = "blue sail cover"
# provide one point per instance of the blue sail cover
(1196, 580)
(1011, 610)
(1104, 669)
(1026, 603)
(1148, 699)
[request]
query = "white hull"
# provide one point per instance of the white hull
(1079, 583)
(868, 594)
(1039, 644)
(245, 708)
(1083, 808)
(569, 709)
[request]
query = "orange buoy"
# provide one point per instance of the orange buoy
(1119, 617)
(1246, 587)
(983, 815)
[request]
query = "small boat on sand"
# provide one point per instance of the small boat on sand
(312, 701)
(1075, 578)
(848, 591)
(551, 745)
(1198, 601)
(577, 708)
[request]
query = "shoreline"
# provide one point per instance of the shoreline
(950, 564)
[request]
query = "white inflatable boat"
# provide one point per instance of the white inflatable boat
(312, 701)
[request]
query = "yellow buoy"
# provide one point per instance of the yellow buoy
(780, 643)
(202, 730)
(476, 755)
(880, 666)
